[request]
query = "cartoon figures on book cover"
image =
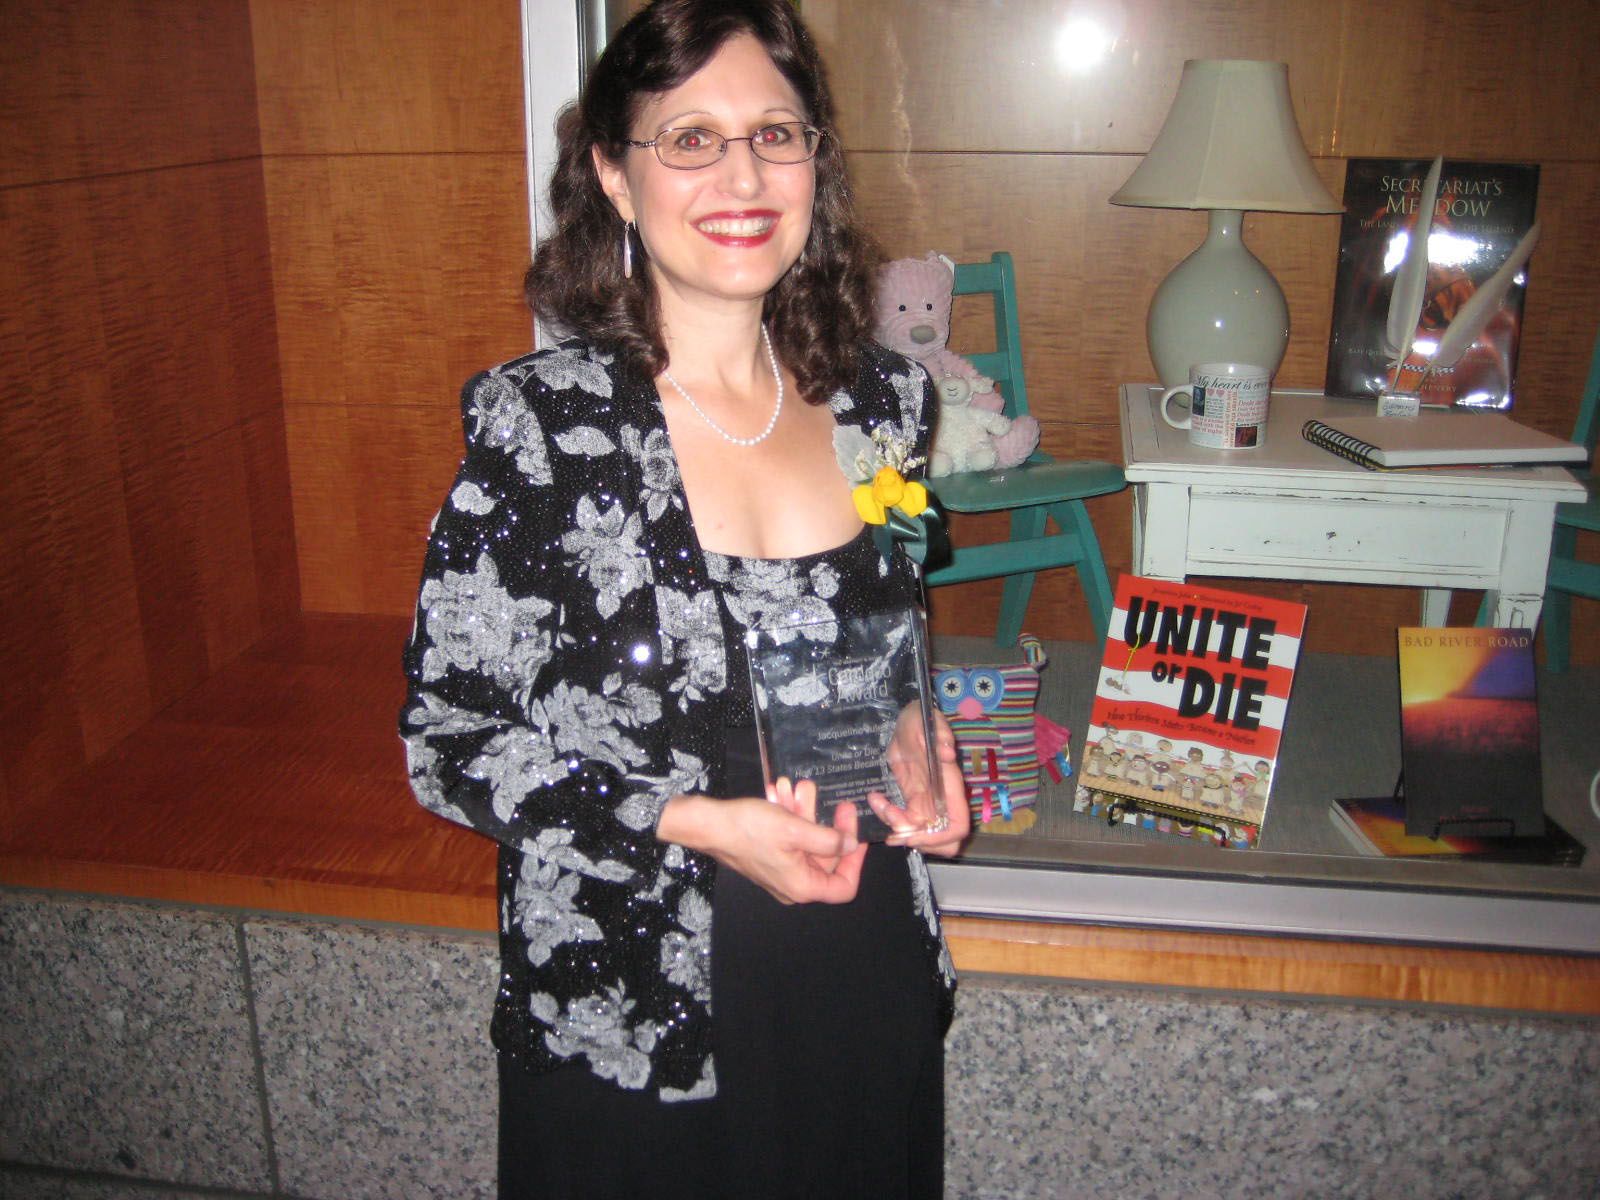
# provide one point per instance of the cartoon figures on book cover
(1189, 708)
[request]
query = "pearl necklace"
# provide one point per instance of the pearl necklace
(776, 408)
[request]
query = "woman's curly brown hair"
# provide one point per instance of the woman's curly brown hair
(820, 310)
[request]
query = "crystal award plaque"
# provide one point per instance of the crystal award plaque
(845, 703)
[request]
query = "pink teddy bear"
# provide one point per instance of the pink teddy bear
(913, 316)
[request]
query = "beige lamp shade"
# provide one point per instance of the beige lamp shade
(1229, 141)
(1229, 144)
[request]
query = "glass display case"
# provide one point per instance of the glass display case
(1306, 877)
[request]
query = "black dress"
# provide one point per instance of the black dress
(826, 1019)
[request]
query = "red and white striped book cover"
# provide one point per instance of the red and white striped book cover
(1189, 707)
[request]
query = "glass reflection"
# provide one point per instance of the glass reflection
(1084, 41)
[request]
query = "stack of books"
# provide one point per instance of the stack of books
(1376, 825)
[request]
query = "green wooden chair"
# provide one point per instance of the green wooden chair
(1568, 575)
(1033, 493)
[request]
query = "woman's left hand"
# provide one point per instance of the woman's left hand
(908, 760)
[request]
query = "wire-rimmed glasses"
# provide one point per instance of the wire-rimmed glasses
(690, 148)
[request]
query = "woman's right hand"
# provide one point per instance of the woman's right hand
(774, 843)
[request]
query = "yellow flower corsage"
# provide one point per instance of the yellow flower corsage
(889, 489)
(902, 511)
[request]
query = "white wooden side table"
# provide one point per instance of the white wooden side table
(1289, 510)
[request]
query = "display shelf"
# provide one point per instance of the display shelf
(279, 786)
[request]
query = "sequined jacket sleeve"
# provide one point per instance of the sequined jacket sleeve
(536, 677)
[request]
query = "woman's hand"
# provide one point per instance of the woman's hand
(774, 843)
(908, 760)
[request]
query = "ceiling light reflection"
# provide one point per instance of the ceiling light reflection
(1083, 43)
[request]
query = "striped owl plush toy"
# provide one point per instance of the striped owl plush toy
(1001, 739)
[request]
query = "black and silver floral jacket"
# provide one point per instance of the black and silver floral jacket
(567, 678)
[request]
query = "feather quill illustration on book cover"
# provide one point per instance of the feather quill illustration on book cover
(1392, 305)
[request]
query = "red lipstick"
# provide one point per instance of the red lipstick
(750, 227)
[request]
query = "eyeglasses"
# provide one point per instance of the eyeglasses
(689, 149)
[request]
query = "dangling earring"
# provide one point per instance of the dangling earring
(627, 249)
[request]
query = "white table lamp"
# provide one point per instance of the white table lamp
(1230, 144)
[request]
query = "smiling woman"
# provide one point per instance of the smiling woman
(719, 221)
(633, 503)
(818, 311)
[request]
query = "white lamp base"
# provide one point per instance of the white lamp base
(1218, 305)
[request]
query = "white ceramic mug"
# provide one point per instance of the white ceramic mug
(1227, 405)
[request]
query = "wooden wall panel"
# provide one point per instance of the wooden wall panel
(1562, 314)
(368, 480)
(398, 277)
(1512, 79)
(39, 726)
(72, 617)
(1024, 75)
(1368, 77)
(178, 400)
(397, 197)
(98, 86)
(264, 448)
(377, 77)
(1030, 167)
(139, 544)
(151, 516)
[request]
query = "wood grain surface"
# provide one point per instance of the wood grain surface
(105, 86)
(148, 538)
(1287, 966)
(375, 77)
(278, 783)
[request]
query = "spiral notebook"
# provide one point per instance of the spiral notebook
(1438, 438)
